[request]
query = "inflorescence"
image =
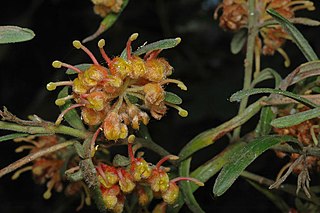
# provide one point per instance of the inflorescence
(117, 96)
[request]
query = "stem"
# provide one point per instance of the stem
(290, 189)
(48, 129)
(33, 156)
(248, 62)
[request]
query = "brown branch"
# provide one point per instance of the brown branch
(285, 100)
(33, 156)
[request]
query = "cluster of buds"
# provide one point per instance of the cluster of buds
(104, 7)
(138, 177)
(235, 16)
(49, 168)
(307, 134)
(114, 97)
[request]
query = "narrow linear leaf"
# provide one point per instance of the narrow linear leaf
(291, 120)
(106, 23)
(186, 187)
(206, 170)
(208, 137)
(273, 197)
(297, 37)
(245, 93)
(12, 136)
(12, 34)
(243, 158)
(72, 116)
(306, 70)
(264, 126)
(266, 74)
(82, 67)
(158, 45)
(238, 41)
(172, 98)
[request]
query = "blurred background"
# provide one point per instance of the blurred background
(203, 61)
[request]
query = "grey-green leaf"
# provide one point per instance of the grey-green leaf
(297, 37)
(245, 93)
(72, 116)
(12, 34)
(158, 45)
(172, 98)
(238, 41)
(12, 136)
(82, 67)
(120, 160)
(291, 120)
(243, 158)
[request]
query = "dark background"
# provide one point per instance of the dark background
(202, 60)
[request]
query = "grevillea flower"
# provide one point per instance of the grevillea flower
(104, 7)
(48, 169)
(272, 37)
(140, 178)
(116, 96)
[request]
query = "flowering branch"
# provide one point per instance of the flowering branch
(33, 156)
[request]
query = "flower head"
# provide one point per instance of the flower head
(117, 97)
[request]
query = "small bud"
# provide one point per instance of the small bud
(131, 138)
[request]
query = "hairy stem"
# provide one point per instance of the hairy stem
(48, 129)
(248, 62)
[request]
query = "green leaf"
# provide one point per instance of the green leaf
(172, 98)
(72, 116)
(266, 74)
(243, 158)
(291, 120)
(206, 170)
(132, 99)
(82, 67)
(245, 93)
(106, 23)
(158, 45)
(264, 126)
(79, 149)
(120, 160)
(297, 37)
(12, 136)
(208, 137)
(186, 187)
(12, 34)
(238, 41)
(273, 197)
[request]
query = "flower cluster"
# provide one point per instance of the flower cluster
(114, 97)
(306, 133)
(104, 7)
(49, 168)
(272, 37)
(138, 177)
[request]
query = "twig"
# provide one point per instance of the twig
(284, 100)
(33, 156)
(50, 129)
(279, 181)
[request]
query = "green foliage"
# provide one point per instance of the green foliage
(13, 34)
